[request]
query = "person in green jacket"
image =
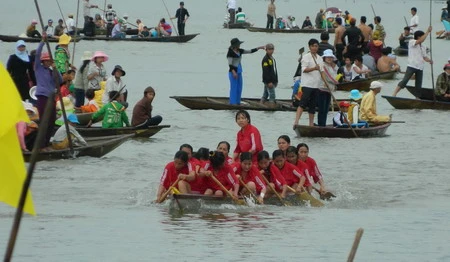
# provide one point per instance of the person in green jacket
(113, 113)
(62, 55)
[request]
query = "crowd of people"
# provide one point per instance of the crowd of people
(249, 171)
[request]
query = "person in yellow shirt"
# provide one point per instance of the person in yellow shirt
(368, 110)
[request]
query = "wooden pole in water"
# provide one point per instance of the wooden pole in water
(76, 32)
(431, 53)
(174, 28)
(358, 236)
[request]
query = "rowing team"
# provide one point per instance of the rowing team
(215, 173)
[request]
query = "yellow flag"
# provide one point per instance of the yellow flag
(12, 165)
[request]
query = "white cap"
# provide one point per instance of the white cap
(376, 84)
(328, 53)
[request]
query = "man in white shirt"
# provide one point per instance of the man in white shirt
(414, 23)
(417, 56)
(49, 28)
(115, 83)
(231, 6)
(312, 67)
(86, 10)
(70, 23)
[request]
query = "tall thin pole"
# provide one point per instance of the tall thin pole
(431, 54)
(355, 245)
(169, 17)
(76, 33)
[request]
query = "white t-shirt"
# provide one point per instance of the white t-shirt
(349, 74)
(416, 53)
(313, 78)
(231, 4)
(70, 25)
(364, 68)
(414, 21)
(112, 85)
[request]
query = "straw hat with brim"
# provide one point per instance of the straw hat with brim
(64, 39)
(73, 118)
(375, 85)
(355, 94)
(328, 53)
(118, 67)
(87, 55)
(235, 42)
(32, 93)
(67, 104)
(100, 54)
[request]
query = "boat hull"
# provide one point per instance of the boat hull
(166, 39)
(411, 103)
(332, 132)
(12, 38)
(364, 84)
(289, 31)
(138, 132)
(237, 25)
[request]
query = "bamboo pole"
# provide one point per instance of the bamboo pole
(358, 236)
(168, 13)
(431, 54)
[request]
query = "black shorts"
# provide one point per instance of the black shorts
(309, 99)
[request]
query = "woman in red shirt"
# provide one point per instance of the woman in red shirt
(292, 157)
(272, 174)
(294, 177)
(193, 185)
(224, 147)
(223, 172)
(250, 176)
(248, 138)
(283, 143)
(313, 169)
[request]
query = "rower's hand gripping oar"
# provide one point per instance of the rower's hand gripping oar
(305, 196)
(222, 187)
(327, 195)
(284, 203)
(250, 191)
(163, 196)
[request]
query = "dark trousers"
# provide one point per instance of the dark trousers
(323, 105)
(152, 121)
(269, 21)
(34, 34)
(41, 102)
(181, 28)
(232, 15)
(408, 74)
(109, 28)
(353, 52)
(79, 97)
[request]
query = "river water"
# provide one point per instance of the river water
(397, 187)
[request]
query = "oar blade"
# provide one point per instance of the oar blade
(314, 202)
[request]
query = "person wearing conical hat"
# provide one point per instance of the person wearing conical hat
(62, 54)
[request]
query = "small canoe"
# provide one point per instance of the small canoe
(97, 147)
(14, 38)
(423, 93)
(236, 25)
(364, 84)
(330, 131)
(222, 103)
(289, 31)
(411, 103)
(138, 132)
(165, 39)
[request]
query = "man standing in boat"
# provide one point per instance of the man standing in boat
(231, 6)
(110, 16)
(269, 75)
(87, 10)
(182, 16)
(271, 14)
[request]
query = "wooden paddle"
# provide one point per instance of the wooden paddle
(163, 196)
(305, 196)
(222, 187)
(358, 236)
(324, 196)
(284, 203)
(390, 122)
(248, 189)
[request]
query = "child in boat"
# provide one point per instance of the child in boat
(92, 105)
(272, 174)
(248, 138)
(176, 170)
(223, 173)
(313, 169)
(294, 177)
(113, 113)
(340, 120)
(60, 140)
(283, 143)
(224, 147)
(292, 157)
(249, 175)
(353, 110)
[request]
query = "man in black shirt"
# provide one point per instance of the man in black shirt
(355, 39)
(182, 16)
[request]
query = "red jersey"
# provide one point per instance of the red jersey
(225, 175)
(229, 160)
(274, 176)
(199, 184)
(313, 170)
(249, 139)
(253, 175)
(304, 168)
(291, 173)
(64, 91)
(167, 28)
(170, 174)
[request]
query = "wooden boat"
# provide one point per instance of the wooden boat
(423, 93)
(138, 132)
(290, 31)
(222, 103)
(84, 118)
(14, 38)
(330, 131)
(165, 39)
(102, 31)
(97, 147)
(237, 25)
(364, 84)
(411, 103)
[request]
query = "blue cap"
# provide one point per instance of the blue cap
(73, 118)
(355, 94)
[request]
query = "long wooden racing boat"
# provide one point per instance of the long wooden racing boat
(236, 25)
(289, 31)
(330, 131)
(14, 38)
(165, 39)
(223, 103)
(364, 84)
(411, 103)
(138, 132)
(97, 147)
(423, 93)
